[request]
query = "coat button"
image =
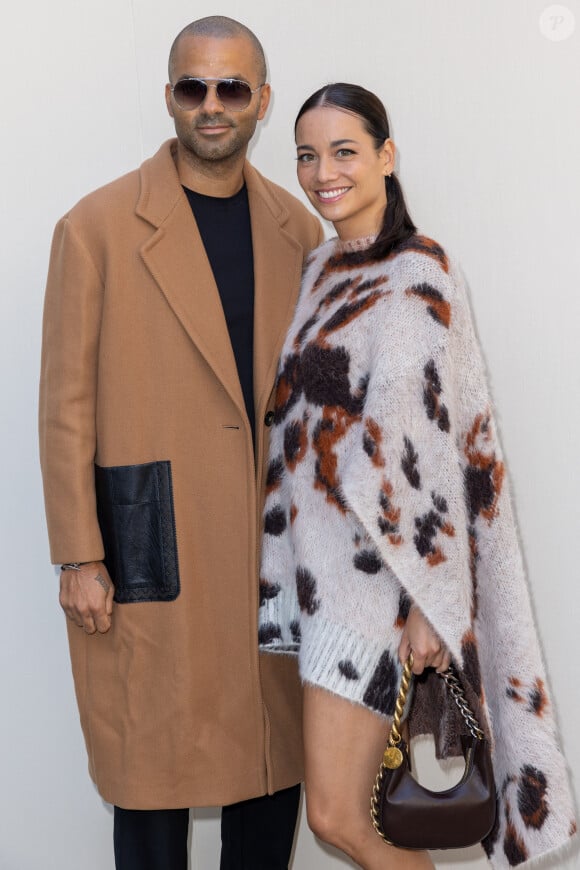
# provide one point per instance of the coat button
(269, 418)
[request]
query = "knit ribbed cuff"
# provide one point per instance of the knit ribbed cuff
(338, 659)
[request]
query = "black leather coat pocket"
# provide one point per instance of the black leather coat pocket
(137, 520)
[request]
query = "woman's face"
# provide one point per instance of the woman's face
(341, 171)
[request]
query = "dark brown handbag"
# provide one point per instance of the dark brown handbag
(406, 814)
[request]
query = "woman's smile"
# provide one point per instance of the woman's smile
(333, 194)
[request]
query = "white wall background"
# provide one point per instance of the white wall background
(485, 112)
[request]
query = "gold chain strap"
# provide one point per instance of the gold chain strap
(392, 756)
(375, 805)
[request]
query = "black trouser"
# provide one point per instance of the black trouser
(256, 835)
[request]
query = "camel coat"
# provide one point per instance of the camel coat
(147, 453)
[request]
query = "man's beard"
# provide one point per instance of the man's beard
(206, 149)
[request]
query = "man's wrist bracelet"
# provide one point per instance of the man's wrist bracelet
(72, 566)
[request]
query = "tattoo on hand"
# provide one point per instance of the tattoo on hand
(102, 582)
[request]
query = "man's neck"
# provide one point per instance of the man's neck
(219, 178)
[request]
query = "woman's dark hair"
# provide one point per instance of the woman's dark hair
(397, 224)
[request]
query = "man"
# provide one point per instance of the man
(168, 297)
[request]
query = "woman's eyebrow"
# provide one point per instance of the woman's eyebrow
(333, 144)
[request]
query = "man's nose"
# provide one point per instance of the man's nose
(211, 103)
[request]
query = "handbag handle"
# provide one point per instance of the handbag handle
(392, 757)
(456, 689)
(405, 814)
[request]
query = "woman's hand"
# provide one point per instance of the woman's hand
(427, 647)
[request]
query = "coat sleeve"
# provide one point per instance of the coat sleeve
(68, 387)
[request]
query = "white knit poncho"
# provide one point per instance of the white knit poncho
(386, 485)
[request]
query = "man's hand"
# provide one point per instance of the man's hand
(86, 596)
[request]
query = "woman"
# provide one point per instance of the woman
(387, 522)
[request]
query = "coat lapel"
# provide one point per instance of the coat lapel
(278, 259)
(176, 258)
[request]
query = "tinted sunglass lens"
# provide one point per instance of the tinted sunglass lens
(189, 93)
(234, 95)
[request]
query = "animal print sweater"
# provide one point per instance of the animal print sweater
(386, 485)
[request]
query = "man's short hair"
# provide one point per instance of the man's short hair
(221, 27)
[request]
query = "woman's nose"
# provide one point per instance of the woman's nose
(326, 169)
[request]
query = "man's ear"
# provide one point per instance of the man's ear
(168, 101)
(265, 94)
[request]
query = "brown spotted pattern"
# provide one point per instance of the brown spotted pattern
(473, 560)
(530, 788)
(268, 590)
(336, 266)
(532, 802)
(332, 427)
(432, 390)
(483, 478)
(428, 527)
(348, 670)
(295, 442)
(484, 473)
(350, 289)
(424, 245)
(306, 589)
(275, 521)
(538, 698)
(513, 690)
(513, 845)
(296, 631)
(390, 515)
(274, 474)
(534, 698)
(372, 440)
(437, 305)
(470, 659)
(368, 561)
(403, 612)
(382, 690)
(409, 464)
(268, 633)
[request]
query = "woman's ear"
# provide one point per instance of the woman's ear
(388, 154)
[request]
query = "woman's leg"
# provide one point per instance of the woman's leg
(343, 746)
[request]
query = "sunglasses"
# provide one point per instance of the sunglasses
(233, 94)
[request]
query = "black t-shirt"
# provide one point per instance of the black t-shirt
(224, 226)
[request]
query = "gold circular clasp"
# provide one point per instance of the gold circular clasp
(392, 757)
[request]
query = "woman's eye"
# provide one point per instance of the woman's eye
(344, 152)
(305, 158)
